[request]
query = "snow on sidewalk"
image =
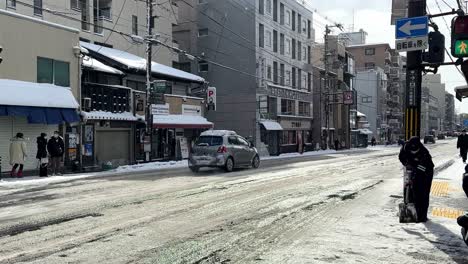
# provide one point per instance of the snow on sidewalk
(38, 181)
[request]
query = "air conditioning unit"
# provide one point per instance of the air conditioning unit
(87, 103)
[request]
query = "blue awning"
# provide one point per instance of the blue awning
(41, 115)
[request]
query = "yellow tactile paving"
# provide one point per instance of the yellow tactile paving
(440, 188)
(447, 212)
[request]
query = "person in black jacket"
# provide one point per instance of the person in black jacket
(56, 148)
(41, 155)
(462, 144)
(415, 155)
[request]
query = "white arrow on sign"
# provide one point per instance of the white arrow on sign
(407, 27)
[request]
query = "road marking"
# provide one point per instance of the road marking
(447, 212)
(440, 188)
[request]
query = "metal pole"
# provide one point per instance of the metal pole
(149, 7)
(327, 92)
(413, 79)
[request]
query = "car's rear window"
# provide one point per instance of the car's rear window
(209, 141)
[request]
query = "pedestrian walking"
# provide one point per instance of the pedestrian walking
(465, 181)
(41, 155)
(18, 155)
(413, 154)
(337, 144)
(56, 147)
(462, 144)
(373, 142)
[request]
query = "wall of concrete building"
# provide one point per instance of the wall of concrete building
(436, 90)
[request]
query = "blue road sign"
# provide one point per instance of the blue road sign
(411, 27)
(465, 123)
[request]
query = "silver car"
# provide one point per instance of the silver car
(223, 149)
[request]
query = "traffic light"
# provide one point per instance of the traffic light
(436, 52)
(460, 36)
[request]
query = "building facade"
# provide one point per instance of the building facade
(260, 68)
(449, 120)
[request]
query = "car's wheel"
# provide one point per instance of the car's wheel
(256, 162)
(194, 169)
(229, 165)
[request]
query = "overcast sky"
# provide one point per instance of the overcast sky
(374, 17)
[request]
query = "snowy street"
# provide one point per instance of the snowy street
(331, 208)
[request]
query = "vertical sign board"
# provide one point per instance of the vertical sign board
(348, 97)
(211, 98)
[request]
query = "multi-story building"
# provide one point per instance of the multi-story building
(371, 87)
(436, 89)
(261, 68)
(449, 120)
(430, 117)
(381, 55)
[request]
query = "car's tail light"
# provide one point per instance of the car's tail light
(222, 149)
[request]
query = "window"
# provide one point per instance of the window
(299, 79)
(37, 7)
(275, 72)
(294, 77)
(304, 53)
(299, 50)
(281, 43)
(369, 65)
(309, 82)
(268, 39)
(288, 78)
(304, 27)
(293, 20)
(282, 74)
(103, 9)
(304, 109)
(288, 18)
(85, 18)
(268, 6)
(203, 66)
(232, 140)
(289, 138)
(288, 46)
(275, 10)
(261, 35)
(293, 49)
(52, 71)
(309, 55)
(366, 99)
(370, 51)
(299, 23)
(269, 72)
(11, 3)
(135, 85)
(275, 41)
(288, 107)
(202, 32)
(261, 7)
(209, 141)
(242, 142)
(281, 14)
(202, 1)
(304, 81)
(74, 4)
(134, 25)
(309, 29)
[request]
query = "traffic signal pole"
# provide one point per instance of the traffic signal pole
(414, 69)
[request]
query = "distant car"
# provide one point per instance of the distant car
(223, 149)
(429, 139)
(441, 136)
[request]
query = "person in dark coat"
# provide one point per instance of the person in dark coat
(373, 142)
(56, 148)
(462, 144)
(414, 154)
(465, 181)
(41, 155)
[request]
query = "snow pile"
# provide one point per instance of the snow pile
(153, 166)
(308, 154)
(20, 93)
(99, 66)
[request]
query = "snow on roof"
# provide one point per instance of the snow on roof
(99, 66)
(365, 131)
(181, 120)
(218, 133)
(101, 115)
(21, 93)
(359, 114)
(271, 125)
(138, 63)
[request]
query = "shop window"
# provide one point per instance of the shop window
(289, 138)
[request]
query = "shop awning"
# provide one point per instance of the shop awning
(180, 121)
(271, 125)
(40, 103)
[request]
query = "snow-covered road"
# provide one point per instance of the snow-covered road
(341, 208)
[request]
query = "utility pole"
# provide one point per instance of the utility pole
(149, 123)
(413, 79)
(327, 88)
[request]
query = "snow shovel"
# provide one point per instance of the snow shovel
(407, 209)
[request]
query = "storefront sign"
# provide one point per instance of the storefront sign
(160, 109)
(296, 124)
(194, 110)
(72, 141)
(72, 153)
(88, 149)
(289, 94)
(184, 151)
(211, 97)
(89, 133)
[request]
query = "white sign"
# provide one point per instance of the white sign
(184, 151)
(412, 44)
(194, 110)
(160, 109)
(211, 98)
